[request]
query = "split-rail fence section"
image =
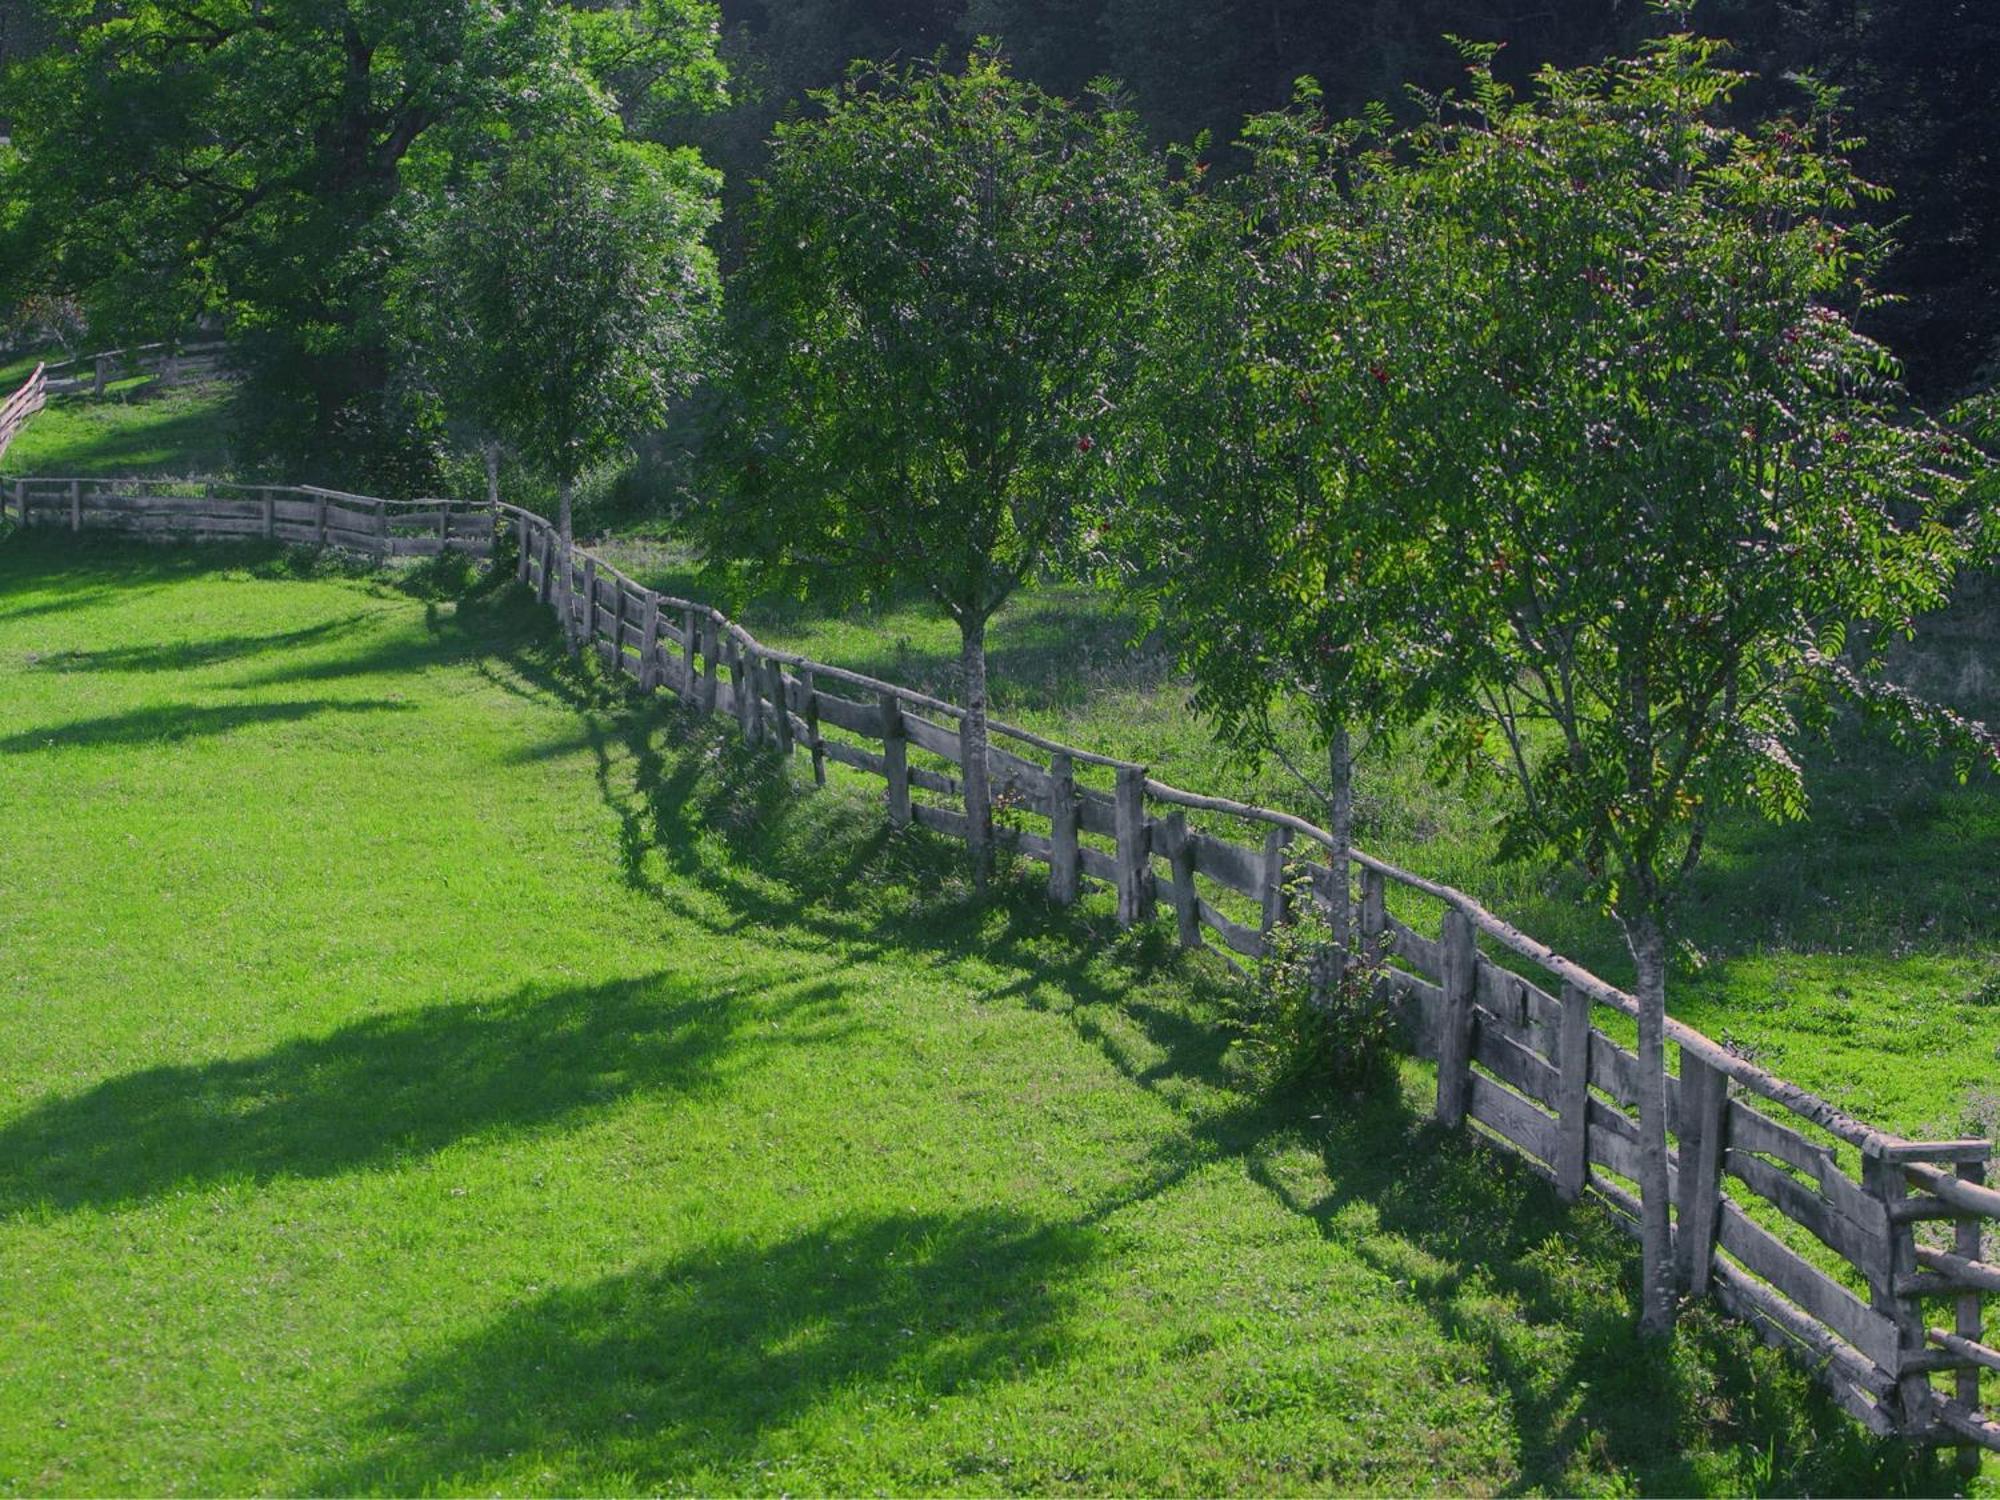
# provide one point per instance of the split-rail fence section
(1863, 1253)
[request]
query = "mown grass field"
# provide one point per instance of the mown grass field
(423, 1071)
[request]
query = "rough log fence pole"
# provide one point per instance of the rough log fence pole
(895, 760)
(1135, 896)
(1970, 1322)
(1572, 1161)
(809, 693)
(1062, 828)
(1883, 1176)
(76, 505)
(1460, 962)
(1703, 1140)
(1277, 900)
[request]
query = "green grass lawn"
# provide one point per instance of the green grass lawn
(423, 1071)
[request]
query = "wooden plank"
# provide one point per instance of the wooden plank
(1968, 1423)
(1016, 776)
(1512, 1116)
(1511, 1062)
(1936, 1151)
(854, 755)
(1805, 1208)
(942, 819)
(1752, 1130)
(1063, 809)
(1811, 1289)
(1231, 865)
(1097, 864)
(935, 738)
(1245, 940)
(1420, 1004)
(1455, 1029)
(1423, 954)
(1374, 914)
(1743, 1295)
(855, 718)
(1095, 814)
(927, 780)
(1573, 1100)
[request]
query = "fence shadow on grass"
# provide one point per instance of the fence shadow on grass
(405, 1082)
(677, 1375)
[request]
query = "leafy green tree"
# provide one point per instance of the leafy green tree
(567, 294)
(1271, 538)
(1674, 505)
(938, 318)
(247, 161)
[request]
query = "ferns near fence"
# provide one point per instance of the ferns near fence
(1861, 1252)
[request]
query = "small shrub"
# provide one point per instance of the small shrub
(1299, 1025)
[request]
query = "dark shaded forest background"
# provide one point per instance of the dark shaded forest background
(1922, 79)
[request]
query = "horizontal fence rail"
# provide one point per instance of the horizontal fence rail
(166, 364)
(301, 514)
(1864, 1254)
(1826, 1234)
(23, 404)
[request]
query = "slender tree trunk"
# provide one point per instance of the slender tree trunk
(972, 748)
(568, 592)
(1647, 940)
(1340, 777)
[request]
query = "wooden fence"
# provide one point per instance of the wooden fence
(1859, 1251)
(283, 513)
(23, 404)
(1863, 1253)
(167, 364)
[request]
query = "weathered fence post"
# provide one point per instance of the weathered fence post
(1135, 893)
(548, 583)
(76, 505)
(895, 759)
(381, 529)
(1460, 963)
(1180, 858)
(711, 664)
(649, 644)
(1062, 828)
(1572, 1161)
(1374, 915)
(1704, 1127)
(1277, 900)
(781, 705)
(270, 515)
(1970, 1321)
(103, 373)
(319, 519)
(588, 622)
(743, 681)
(809, 705)
(444, 527)
(523, 537)
(1882, 1174)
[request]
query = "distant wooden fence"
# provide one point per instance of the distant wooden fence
(1861, 1252)
(23, 404)
(167, 364)
(1836, 1240)
(283, 513)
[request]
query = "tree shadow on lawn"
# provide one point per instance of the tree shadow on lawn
(678, 1375)
(170, 723)
(410, 1081)
(192, 655)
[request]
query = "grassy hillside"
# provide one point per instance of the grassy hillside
(422, 1072)
(178, 431)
